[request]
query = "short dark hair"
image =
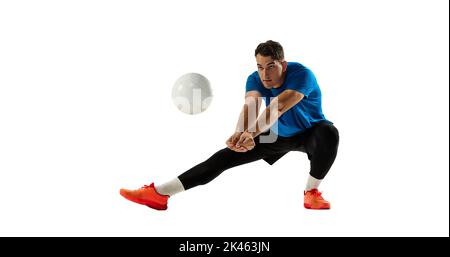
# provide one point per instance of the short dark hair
(270, 48)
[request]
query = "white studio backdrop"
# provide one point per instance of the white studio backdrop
(85, 109)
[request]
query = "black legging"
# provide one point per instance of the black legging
(320, 142)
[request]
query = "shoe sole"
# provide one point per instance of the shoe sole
(309, 206)
(152, 205)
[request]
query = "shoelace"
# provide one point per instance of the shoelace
(316, 193)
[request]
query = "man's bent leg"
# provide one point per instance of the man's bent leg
(321, 147)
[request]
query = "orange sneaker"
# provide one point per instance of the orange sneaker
(146, 195)
(314, 200)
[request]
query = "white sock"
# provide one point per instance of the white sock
(170, 188)
(312, 183)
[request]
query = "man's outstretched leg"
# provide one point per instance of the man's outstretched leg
(157, 197)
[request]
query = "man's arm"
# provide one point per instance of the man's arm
(248, 115)
(250, 111)
(278, 105)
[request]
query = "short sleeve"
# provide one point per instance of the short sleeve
(302, 81)
(252, 84)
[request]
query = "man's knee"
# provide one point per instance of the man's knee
(329, 133)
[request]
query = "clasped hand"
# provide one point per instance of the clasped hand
(241, 142)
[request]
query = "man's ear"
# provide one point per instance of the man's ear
(284, 64)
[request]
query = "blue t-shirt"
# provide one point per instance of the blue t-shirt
(305, 113)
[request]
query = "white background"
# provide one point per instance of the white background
(85, 109)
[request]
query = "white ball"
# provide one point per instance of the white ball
(192, 93)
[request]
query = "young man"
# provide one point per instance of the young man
(292, 121)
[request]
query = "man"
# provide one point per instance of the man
(292, 121)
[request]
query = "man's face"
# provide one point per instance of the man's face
(271, 72)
